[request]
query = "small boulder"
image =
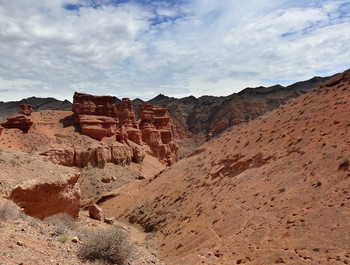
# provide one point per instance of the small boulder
(95, 212)
(109, 220)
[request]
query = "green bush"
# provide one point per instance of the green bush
(109, 245)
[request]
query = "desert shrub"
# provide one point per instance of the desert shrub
(9, 210)
(344, 165)
(110, 245)
(62, 222)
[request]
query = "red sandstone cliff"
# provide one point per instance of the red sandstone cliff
(99, 117)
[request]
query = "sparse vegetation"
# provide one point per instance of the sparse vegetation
(62, 222)
(63, 239)
(109, 245)
(344, 165)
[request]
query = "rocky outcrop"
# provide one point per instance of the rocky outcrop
(97, 156)
(156, 132)
(127, 119)
(19, 121)
(100, 116)
(43, 199)
(26, 109)
(94, 105)
(38, 186)
(1, 128)
(98, 127)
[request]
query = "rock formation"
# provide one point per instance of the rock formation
(100, 116)
(1, 128)
(26, 109)
(38, 186)
(156, 132)
(127, 119)
(19, 121)
(98, 127)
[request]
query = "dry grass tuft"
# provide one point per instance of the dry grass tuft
(62, 222)
(109, 245)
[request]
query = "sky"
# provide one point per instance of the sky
(141, 48)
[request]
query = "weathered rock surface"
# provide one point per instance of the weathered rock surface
(96, 213)
(98, 127)
(38, 186)
(99, 117)
(94, 105)
(1, 128)
(156, 132)
(26, 109)
(95, 155)
(19, 121)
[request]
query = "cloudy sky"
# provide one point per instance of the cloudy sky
(176, 47)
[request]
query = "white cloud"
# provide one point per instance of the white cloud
(174, 48)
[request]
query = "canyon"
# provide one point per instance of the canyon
(257, 177)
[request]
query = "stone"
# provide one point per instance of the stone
(75, 239)
(156, 132)
(121, 154)
(84, 157)
(19, 121)
(139, 154)
(41, 200)
(97, 127)
(57, 155)
(50, 190)
(26, 109)
(109, 220)
(103, 156)
(94, 105)
(95, 212)
(1, 129)
(106, 179)
(100, 116)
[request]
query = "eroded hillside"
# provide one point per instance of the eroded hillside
(273, 191)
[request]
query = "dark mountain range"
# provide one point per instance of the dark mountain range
(209, 115)
(12, 107)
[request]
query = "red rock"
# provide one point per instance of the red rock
(19, 121)
(64, 157)
(85, 157)
(97, 127)
(103, 156)
(126, 114)
(99, 117)
(156, 132)
(94, 105)
(51, 189)
(109, 220)
(96, 213)
(26, 109)
(1, 128)
(121, 154)
(139, 154)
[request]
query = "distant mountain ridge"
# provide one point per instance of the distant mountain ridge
(12, 107)
(210, 115)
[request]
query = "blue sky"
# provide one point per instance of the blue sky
(178, 48)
